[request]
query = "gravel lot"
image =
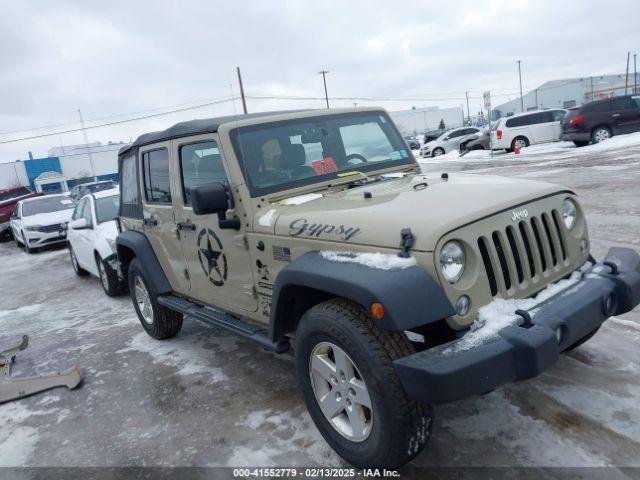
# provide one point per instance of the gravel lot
(206, 398)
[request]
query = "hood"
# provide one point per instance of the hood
(51, 218)
(429, 206)
(108, 230)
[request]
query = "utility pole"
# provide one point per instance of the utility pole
(520, 76)
(635, 75)
(86, 140)
(324, 80)
(468, 112)
(593, 94)
(244, 102)
(626, 76)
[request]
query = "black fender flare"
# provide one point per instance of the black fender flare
(410, 296)
(141, 247)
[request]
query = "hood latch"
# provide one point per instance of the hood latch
(406, 242)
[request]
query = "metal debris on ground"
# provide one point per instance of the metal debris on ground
(14, 388)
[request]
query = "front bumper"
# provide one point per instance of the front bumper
(40, 239)
(523, 351)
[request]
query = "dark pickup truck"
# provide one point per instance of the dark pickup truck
(8, 200)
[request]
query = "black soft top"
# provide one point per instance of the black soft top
(193, 127)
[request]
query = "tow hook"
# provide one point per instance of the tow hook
(406, 242)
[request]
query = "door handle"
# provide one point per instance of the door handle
(186, 226)
(616, 115)
(151, 221)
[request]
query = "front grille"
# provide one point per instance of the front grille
(50, 228)
(523, 251)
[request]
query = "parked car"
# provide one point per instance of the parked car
(602, 119)
(91, 236)
(259, 227)
(40, 221)
(412, 141)
(8, 199)
(479, 141)
(432, 135)
(448, 141)
(79, 191)
(529, 128)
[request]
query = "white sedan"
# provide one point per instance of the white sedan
(40, 221)
(448, 141)
(91, 236)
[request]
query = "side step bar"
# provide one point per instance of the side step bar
(225, 321)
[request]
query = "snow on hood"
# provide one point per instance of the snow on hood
(429, 206)
(61, 216)
(379, 261)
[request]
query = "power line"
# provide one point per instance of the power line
(144, 117)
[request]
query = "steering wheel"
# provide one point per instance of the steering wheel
(352, 159)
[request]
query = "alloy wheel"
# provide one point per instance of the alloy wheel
(143, 300)
(601, 135)
(341, 392)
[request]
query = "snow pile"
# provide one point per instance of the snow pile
(379, 261)
(499, 314)
(300, 199)
(267, 218)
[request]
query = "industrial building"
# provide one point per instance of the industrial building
(64, 167)
(567, 93)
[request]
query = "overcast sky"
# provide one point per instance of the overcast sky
(121, 59)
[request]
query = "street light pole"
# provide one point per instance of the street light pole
(468, 111)
(324, 80)
(520, 77)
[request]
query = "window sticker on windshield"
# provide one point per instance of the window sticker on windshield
(324, 166)
(66, 202)
(404, 154)
(395, 155)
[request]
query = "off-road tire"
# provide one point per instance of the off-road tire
(401, 427)
(111, 284)
(583, 340)
(166, 323)
(81, 272)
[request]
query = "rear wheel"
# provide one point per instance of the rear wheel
(520, 142)
(345, 373)
(600, 134)
(158, 321)
(108, 277)
(580, 143)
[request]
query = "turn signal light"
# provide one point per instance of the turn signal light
(377, 310)
(577, 120)
(499, 134)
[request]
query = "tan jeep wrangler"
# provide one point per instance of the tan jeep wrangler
(316, 232)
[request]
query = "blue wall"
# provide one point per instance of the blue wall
(40, 165)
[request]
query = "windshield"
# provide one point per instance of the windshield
(46, 205)
(98, 187)
(18, 192)
(292, 153)
(107, 208)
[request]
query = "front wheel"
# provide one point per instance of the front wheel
(108, 278)
(158, 321)
(437, 152)
(345, 373)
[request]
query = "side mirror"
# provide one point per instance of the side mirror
(14, 215)
(213, 198)
(78, 224)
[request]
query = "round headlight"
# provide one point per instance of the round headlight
(452, 260)
(569, 214)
